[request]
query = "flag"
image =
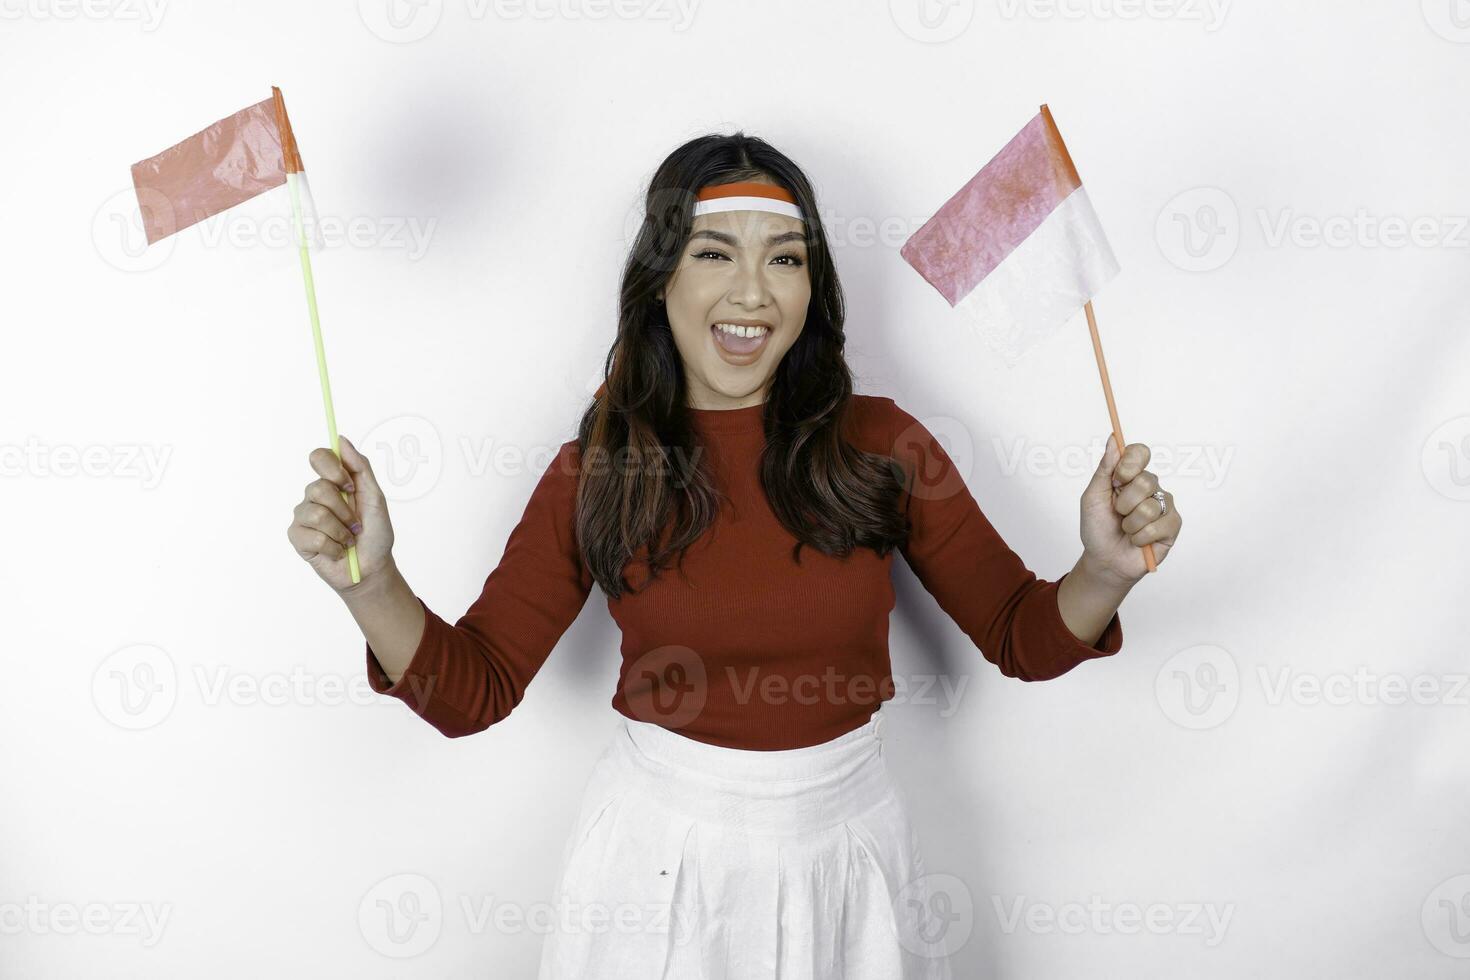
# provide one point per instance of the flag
(227, 163)
(1019, 248)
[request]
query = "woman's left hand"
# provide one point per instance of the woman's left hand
(1120, 515)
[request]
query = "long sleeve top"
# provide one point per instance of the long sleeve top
(747, 648)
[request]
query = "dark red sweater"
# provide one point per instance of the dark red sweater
(746, 648)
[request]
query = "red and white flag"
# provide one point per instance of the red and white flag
(226, 163)
(1019, 248)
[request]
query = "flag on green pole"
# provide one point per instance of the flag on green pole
(227, 163)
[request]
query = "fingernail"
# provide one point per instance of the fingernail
(348, 486)
(356, 527)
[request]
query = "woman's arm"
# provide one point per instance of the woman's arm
(1011, 615)
(1088, 600)
(465, 676)
(390, 616)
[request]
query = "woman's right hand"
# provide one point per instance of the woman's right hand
(323, 525)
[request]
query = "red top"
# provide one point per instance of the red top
(746, 648)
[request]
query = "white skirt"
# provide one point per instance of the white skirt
(691, 861)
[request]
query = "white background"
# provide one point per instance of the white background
(1250, 755)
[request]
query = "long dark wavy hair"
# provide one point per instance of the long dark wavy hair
(827, 493)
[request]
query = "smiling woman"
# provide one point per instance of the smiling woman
(765, 827)
(740, 293)
(739, 506)
(729, 300)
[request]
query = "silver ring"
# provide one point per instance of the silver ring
(1159, 496)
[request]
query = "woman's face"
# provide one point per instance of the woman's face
(741, 267)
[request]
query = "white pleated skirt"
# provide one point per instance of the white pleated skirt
(691, 861)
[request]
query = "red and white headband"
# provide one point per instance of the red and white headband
(746, 196)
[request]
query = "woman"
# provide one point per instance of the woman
(738, 505)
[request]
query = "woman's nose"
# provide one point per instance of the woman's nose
(750, 285)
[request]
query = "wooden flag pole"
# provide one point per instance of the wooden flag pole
(292, 158)
(1102, 369)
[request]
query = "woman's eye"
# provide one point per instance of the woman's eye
(796, 260)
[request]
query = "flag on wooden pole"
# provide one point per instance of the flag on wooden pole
(227, 163)
(1019, 250)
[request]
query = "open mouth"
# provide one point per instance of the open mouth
(740, 342)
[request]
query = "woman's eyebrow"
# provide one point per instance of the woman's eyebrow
(720, 236)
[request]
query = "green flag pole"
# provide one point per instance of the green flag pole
(292, 158)
(321, 354)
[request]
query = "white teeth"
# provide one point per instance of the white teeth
(740, 331)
